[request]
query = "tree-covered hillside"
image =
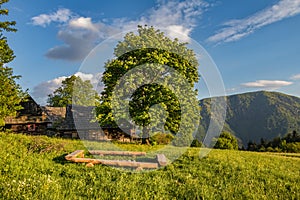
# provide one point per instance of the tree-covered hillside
(256, 115)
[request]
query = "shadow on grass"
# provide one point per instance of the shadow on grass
(61, 159)
(146, 160)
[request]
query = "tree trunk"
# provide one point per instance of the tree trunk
(145, 137)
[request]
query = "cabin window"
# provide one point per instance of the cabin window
(31, 127)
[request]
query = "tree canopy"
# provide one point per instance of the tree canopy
(10, 92)
(73, 91)
(226, 141)
(153, 76)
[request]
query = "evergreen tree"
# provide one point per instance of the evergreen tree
(10, 92)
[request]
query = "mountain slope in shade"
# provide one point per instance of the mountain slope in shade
(256, 115)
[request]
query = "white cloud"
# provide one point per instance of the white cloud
(41, 91)
(178, 18)
(83, 23)
(81, 34)
(236, 29)
(84, 76)
(180, 32)
(295, 77)
(267, 84)
(77, 45)
(94, 78)
(61, 15)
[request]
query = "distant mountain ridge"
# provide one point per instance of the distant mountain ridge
(255, 115)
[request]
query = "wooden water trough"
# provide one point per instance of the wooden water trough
(78, 157)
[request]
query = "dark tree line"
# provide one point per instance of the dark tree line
(289, 143)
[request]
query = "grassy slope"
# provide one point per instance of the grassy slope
(34, 168)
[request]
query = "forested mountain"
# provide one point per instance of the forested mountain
(256, 115)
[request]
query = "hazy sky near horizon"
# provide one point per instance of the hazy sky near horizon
(255, 44)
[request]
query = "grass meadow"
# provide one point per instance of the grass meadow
(33, 167)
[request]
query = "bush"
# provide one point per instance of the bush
(161, 138)
(270, 149)
(196, 143)
(262, 149)
(226, 141)
(293, 147)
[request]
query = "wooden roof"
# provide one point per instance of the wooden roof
(55, 114)
(31, 113)
(80, 118)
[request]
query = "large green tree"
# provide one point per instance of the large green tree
(226, 141)
(10, 92)
(73, 91)
(155, 75)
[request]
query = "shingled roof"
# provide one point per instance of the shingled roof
(31, 113)
(80, 118)
(55, 114)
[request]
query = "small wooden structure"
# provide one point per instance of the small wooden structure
(78, 157)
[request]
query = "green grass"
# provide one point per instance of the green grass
(34, 168)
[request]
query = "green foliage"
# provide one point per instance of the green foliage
(162, 138)
(10, 92)
(6, 25)
(73, 90)
(149, 48)
(289, 143)
(196, 143)
(226, 141)
(6, 53)
(35, 168)
(293, 147)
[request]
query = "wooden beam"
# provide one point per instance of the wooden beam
(118, 163)
(161, 159)
(75, 154)
(117, 153)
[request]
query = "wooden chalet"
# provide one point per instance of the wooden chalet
(68, 122)
(80, 122)
(31, 119)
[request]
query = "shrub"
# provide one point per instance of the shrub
(226, 141)
(293, 147)
(161, 138)
(196, 143)
(270, 149)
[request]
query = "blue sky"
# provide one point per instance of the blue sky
(255, 44)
